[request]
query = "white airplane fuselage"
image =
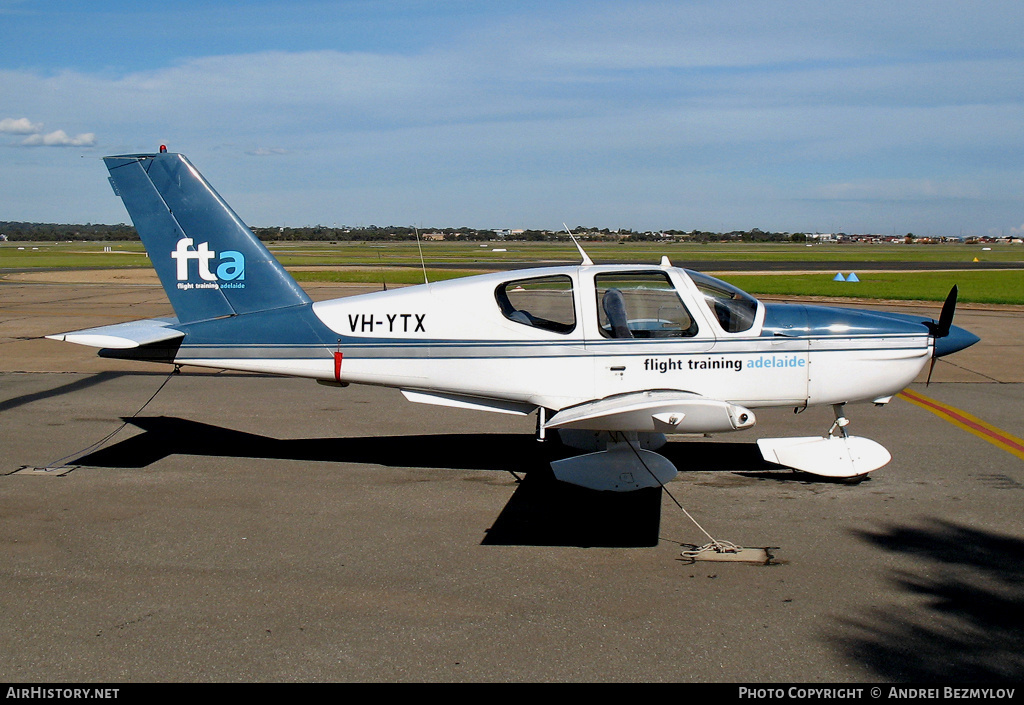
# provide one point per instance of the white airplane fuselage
(451, 338)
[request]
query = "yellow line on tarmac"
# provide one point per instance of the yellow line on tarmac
(971, 424)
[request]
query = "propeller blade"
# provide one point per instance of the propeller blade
(941, 328)
(946, 315)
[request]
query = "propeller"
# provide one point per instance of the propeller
(940, 328)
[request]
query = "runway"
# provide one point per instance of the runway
(246, 528)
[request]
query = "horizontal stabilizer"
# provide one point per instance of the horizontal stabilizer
(123, 336)
(828, 456)
(663, 411)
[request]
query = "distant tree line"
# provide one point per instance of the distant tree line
(319, 233)
(49, 232)
(374, 232)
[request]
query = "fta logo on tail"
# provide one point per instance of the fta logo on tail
(230, 266)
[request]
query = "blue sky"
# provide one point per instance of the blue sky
(790, 116)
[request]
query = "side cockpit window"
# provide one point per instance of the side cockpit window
(541, 302)
(734, 308)
(641, 305)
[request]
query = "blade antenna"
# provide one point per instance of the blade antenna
(420, 248)
(586, 259)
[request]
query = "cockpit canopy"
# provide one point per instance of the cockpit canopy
(629, 302)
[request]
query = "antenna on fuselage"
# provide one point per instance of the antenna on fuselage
(586, 259)
(422, 262)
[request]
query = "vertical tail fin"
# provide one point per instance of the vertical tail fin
(209, 262)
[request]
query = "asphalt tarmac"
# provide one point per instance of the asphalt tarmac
(246, 528)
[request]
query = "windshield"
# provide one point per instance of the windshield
(735, 309)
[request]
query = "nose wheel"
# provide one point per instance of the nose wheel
(837, 454)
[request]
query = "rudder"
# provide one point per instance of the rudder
(209, 262)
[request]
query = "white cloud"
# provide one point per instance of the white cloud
(36, 137)
(59, 138)
(19, 126)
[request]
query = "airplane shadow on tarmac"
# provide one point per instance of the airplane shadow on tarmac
(968, 621)
(77, 384)
(541, 512)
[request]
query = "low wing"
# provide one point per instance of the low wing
(624, 465)
(123, 336)
(656, 411)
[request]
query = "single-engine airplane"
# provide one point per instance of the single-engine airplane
(611, 357)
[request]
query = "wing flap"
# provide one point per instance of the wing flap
(124, 336)
(462, 401)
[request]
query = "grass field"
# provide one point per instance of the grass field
(988, 287)
(399, 263)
